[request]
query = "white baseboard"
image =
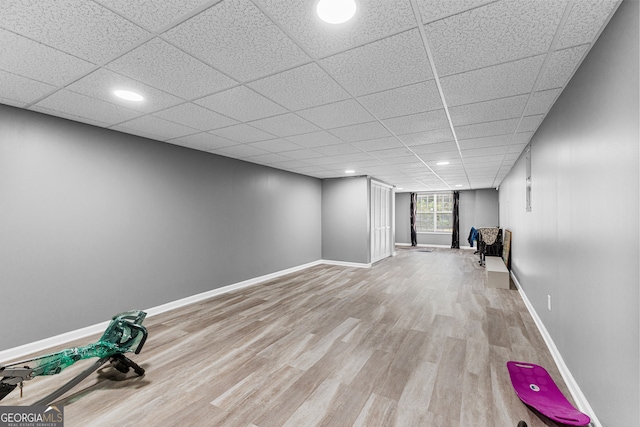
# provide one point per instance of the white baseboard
(345, 264)
(41, 345)
(223, 290)
(429, 245)
(574, 388)
(44, 344)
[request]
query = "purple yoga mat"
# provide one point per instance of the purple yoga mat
(535, 387)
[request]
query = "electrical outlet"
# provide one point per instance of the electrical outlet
(549, 302)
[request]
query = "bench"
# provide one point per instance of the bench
(497, 273)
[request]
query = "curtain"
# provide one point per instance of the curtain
(414, 210)
(455, 236)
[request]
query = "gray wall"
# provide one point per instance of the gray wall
(477, 208)
(94, 222)
(345, 220)
(403, 218)
(579, 244)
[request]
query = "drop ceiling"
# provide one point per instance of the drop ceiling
(404, 85)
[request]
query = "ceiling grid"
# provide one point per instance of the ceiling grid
(402, 88)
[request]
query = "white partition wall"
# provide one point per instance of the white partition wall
(382, 221)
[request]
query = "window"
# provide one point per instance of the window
(435, 213)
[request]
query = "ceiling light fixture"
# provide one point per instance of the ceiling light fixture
(128, 95)
(349, 171)
(458, 185)
(442, 163)
(336, 11)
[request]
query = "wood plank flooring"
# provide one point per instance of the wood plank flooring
(416, 340)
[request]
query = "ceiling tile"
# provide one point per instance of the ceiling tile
(267, 159)
(152, 14)
(522, 138)
(387, 170)
(101, 83)
(357, 157)
(482, 162)
(338, 114)
(450, 169)
(12, 102)
(378, 144)
(80, 105)
(488, 111)
(428, 137)
(338, 159)
(219, 36)
(439, 147)
(366, 165)
(240, 151)
(492, 34)
(17, 55)
(498, 81)
(585, 21)
(312, 170)
(337, 150)
(530, 123)
(295, 164)
(432, 10)
(22, 89)
(479, 130)
(391, 152)
(195, 116)
(406, 162)
(302, 154)
(285, 125)
(490, 141)
(488, 151)
(241, 103)
(541, 102)
(68, 116)
(430, 120)
(165, 67)
(361, 132)
(203, 141)
(391, 62)
(322, 175)
(415, 98)
(155, 127)
(243, 133)
(315, 139)
(517, 148)
(560, 67)
(374, 19)
(301, 87)
(276, 145)
(82, 28)
(410, 168)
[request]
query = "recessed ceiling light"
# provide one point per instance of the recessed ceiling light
(442, 163)
(128, 95)
(336, 11)
(458, 185)
(349, 171)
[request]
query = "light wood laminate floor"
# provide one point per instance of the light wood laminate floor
(416, 340)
